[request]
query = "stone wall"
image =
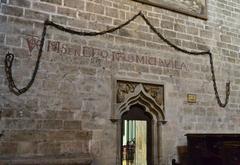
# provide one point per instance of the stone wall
(68, 108)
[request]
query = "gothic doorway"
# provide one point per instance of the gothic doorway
(136, 133)
(138, 111)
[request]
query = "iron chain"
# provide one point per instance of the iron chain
(10, 57)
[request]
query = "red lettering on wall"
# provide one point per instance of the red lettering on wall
(32, 43)
(152, 60)
(130, 58)
(117, 56)
(160, 62)
(140, 59)
(53, 46)
(77, 52)
(167, 63)
(63, 49)
(87, 51)
(104, 54)
(90, 52)
(184, 66)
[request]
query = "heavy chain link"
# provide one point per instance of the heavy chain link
(10, 57)
(8, 67)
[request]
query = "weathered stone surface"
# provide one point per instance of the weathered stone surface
(66, 12)
(52, 124)
(2, 38)
(94, 8)
(8, 148)
(112, 12)
(75, 147)
(13, 40)
(25, 135)
(59, 19)
(68, 125)
(77, 159)
(20, 124)
(68, 107)
(36, 15)
(48, 148)
(10, 10)
(77, 23)
(44, 7)
(58, 2)
(74, 4)
(22, 3)
(67, 115)
(167, 25)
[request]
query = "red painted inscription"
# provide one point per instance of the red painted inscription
(85, 51)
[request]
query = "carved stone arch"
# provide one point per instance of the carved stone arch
(140, 96)
(151, 97)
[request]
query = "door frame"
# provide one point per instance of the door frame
(137, 112)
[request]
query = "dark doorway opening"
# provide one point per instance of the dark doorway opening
(136, 137)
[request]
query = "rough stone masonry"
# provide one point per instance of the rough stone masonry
(65, 116)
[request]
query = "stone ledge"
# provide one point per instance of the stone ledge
(73, 159)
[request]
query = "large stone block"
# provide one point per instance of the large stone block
(206, 34)
(193, 30)
(20, 124)
(13, 40)
(8, 148)
(64, 115)
(26, 148)
(67, 12)
(180, 28)
(51, 124)
(22, 3)
(79, 4)
(94, 8)
(25, 135)
(49, 148)
(78, 23)
(44, 7)
(68, 125)
(61, 135)
(32, 14)
(112, 12)
(12, 10)
(167, 25)
(75, 147)
(58, 2)
(83, 135)
(59, 19)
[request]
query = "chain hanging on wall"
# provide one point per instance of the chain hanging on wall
(10, 57)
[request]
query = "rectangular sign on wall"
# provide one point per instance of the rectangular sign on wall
(195, 8)
(191, 98)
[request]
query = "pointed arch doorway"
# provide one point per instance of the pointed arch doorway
(136, 133)
(138, 105)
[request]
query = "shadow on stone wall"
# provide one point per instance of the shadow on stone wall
(182, 155)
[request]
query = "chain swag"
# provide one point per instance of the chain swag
(10, 57)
